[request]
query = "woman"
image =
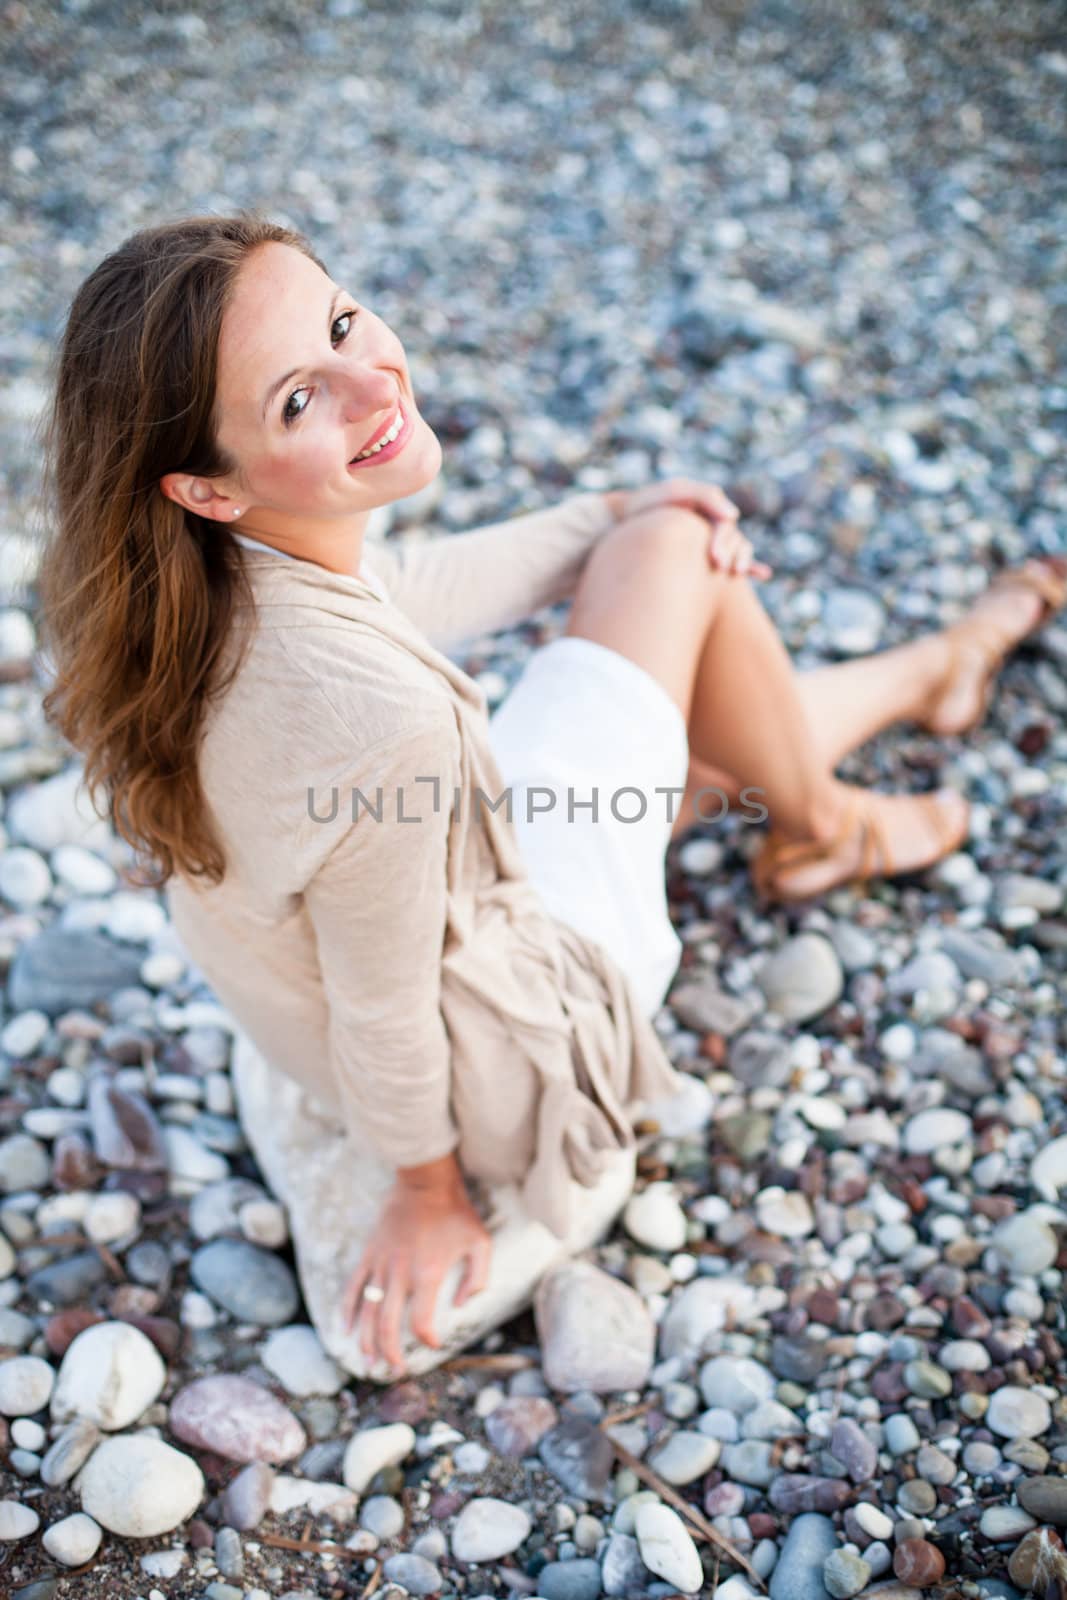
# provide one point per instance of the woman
(279, 730)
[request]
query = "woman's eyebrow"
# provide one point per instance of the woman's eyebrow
(273, 390)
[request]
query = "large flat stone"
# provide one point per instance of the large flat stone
(333, 1187)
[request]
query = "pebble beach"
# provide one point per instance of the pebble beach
(815, 254)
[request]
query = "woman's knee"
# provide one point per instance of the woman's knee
(670, 535)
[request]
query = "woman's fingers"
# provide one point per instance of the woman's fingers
(368, 1312)
(354, 1294)
(730, 552)
(742, 557)
(723, 504)
(717, 545)
(423, 1307)
(724, 546)
(476, 1272)
(391, 1315)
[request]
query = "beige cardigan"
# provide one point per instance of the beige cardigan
(401, 965)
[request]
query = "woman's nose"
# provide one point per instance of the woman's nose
(366, 391)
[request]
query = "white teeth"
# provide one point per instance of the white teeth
(387, 438)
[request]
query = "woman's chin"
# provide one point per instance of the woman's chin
(425, 467)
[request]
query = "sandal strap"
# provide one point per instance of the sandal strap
(780, 851)
(991, 641)
(947, 838)
(876, 858)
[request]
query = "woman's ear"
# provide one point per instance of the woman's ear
(199, 495)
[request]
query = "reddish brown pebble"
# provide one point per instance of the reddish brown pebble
(445, 1504)
(201, 1537)
(517, 1425)
(823, 1306)
(148, 1187)
(713, 1047)
(164, 1334)
(969, 1321)
(916, 1561)
(887, 1384)
(996, 1207)
(762, 1526)
(1041, 1545)
(847, 1190)
(885, 1311)
(404, 1402)
(73, 1163)
(66, 1325)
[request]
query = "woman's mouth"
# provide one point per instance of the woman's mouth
(390, 443)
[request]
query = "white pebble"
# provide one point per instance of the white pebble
(655, 1219)
(112, 1216)
(1017, 1413)
(81, 871)
(140, 1487)
(932, 1129)
(374, 1448)
(1025, 1244)
(24, 1035)
(111, 1373)
(786, 1212)
(134, 917)
(66, 1085)
(873, 1521)
(24, 877)
(191, 1162)
(17, 1521)
(898, 1042)
(28, 1435)
(25, 1385)
(263, 1222)
(1048, 1171)
(163, 1563)
(74, 1540)
(161, 969)
(487, 1529)
(667, 1548)
(297, 1359)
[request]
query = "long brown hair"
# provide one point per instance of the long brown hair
(138, 595)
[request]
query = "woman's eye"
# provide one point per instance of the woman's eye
(289, 416)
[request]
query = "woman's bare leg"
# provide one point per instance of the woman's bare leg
(648, 592)
(846, 703)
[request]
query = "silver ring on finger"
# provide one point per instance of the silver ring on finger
(373, 1292)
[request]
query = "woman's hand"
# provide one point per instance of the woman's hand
(426, 1226)
(728, 549)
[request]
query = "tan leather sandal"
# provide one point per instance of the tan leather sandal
(980, 642)
(779, 853)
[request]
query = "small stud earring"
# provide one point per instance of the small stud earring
(236, 511)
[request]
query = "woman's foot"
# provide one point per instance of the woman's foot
(1016, 604)
(866, 835)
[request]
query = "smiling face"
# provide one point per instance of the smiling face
(308, 380)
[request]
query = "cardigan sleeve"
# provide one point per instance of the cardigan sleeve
(377, 905)
(459, 586)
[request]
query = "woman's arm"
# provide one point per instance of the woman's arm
(459, 586)
(378, 907)
(463, 585)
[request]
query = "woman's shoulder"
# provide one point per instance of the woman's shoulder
(320, 689)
